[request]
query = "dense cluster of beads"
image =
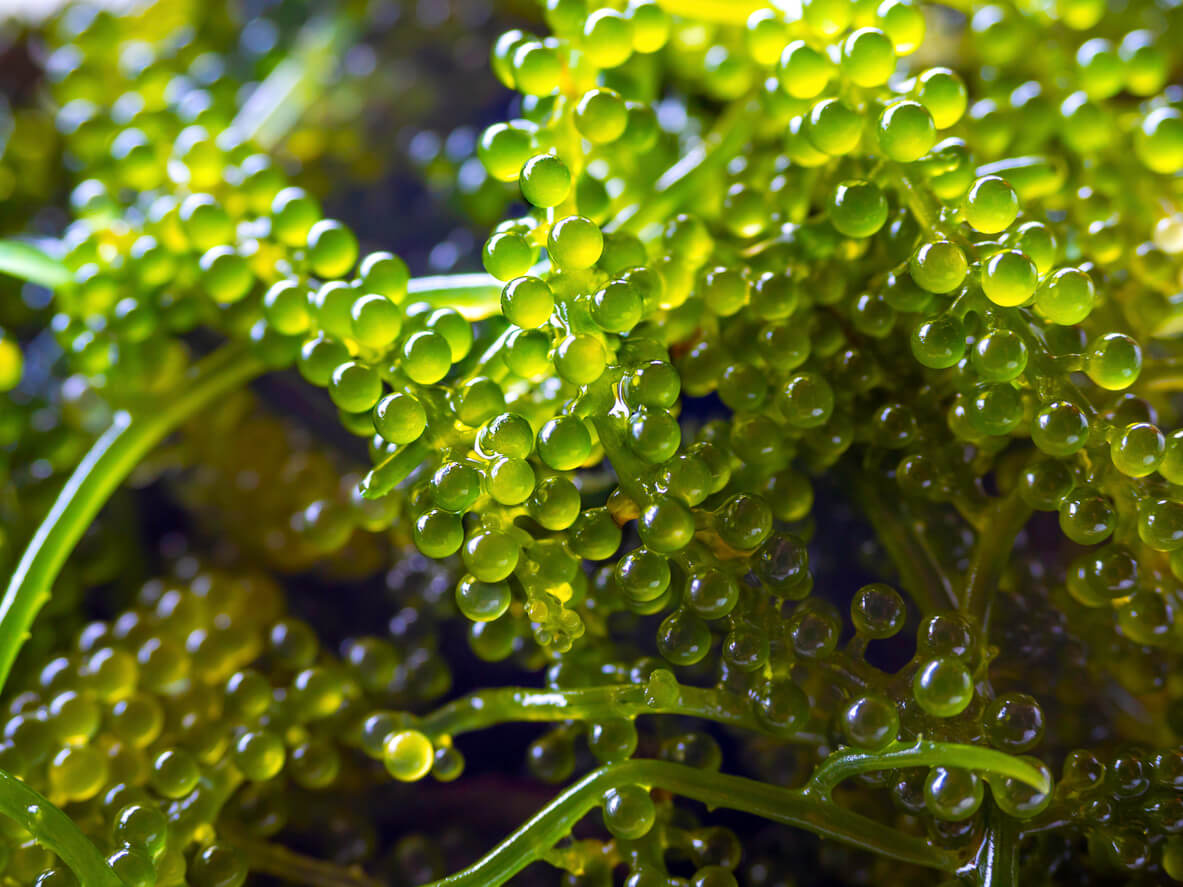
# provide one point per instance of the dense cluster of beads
(774, 280)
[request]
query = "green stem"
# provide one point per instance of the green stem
(26, 261)
(476, 296)
(277, 103)
(393, 470)
(793, 807)
(266, 858)
(55, 831)
(1003, 520)
(921, 753)
(997, 860)
(107, 464)
(729, 134)
(724, 12)
(486, 708)
(920, 574)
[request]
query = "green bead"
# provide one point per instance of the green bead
(1087, 517)
(1018, 799)
(293, 213)
(1138, 450)
(545, 181)
(1160, 524)
(510, 481)
(953, 794)
(683, 638)
(133, 867)
(286, 307)
(870, 722)
(205, 222)
(724, 291)
(332, 249)
(78, 772)
(491, 556)
(712, 594)
(827, 17)
(803, 71)
(457, 331)
(407, 755)
(427, 357)
(438, 533)
(482, 601)
(175, 773)
(999, 356)
(537, 70)
(564, 443)
(653, 434)
(377, 322)
(906, 131)
(575, 243)
(629, 812)
(938, 266)
(259, 754)
(1100, 72)
(991, 205)
(939, 342)
(503, 149)
(143, 827)
(399, 418)
(868, 57)
(455, 486)
(833, 128)
(555, 503)
(943, 687)
(1060, 429)
(996, 409)
(355, 387)
(225, 275)
(1066, 297)
(617, 307)
(1009, 278)
(580, 359)
(858, 209)
(1113, 361)
(507, 255)
(903, 22)
(384, 274)
(601, 116)
(607, 38)
(943, 92)
(666, 525)
(1171, 466)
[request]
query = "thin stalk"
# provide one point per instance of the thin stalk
(475, 296)
(55, 831)
(486, 708)
(723, 12)
(26, 261)
(276, 104)
(729, 134)
(997, 861)
(921, 753)
(793, 807)
(920, 574)
(266, 858)
(108, 463)
(1003, 521)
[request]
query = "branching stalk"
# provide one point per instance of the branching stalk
(55, 831)
(486, 708)
(108, 463)
(1003, 521)
(809, 808)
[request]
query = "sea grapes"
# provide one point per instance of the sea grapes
(780, 323)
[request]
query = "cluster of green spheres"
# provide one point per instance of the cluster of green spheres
(787, 301)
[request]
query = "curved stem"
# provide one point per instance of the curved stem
(724, 12)
(921, 753)
(55, 831)
(997, 860)
(729, 134)
(486, 708)
(1003, 520)
(475, 296)
(920, 575)
(791, 807)
(107, 464)
(267, 858)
